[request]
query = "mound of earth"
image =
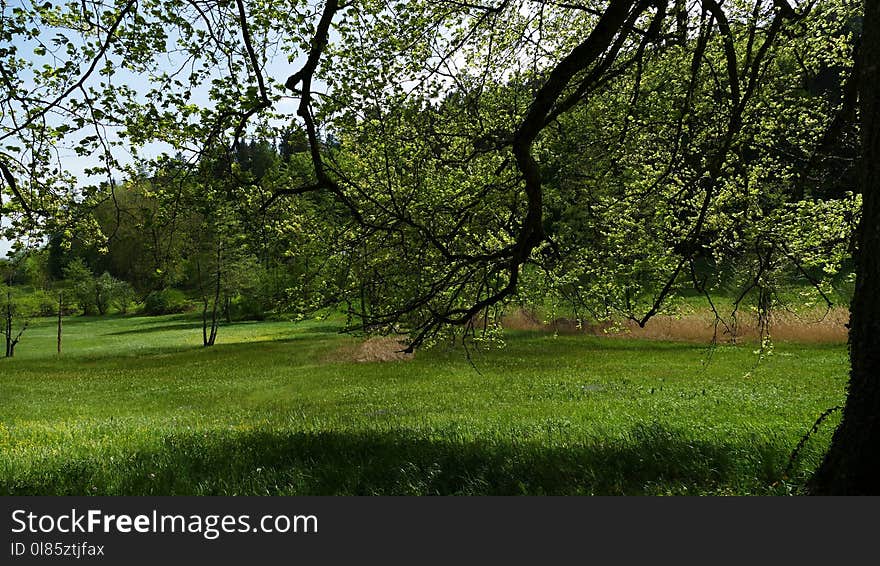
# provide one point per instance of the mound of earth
(376, 349)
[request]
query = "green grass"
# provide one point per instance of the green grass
(137, 406)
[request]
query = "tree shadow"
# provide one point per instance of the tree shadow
(649, 460)
(197, 324)
(157, 328)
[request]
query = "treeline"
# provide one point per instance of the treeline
(170, 240)
(426, 211)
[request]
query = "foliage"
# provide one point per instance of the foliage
(166, 301)
(104, 288)
(15, 319)
(82, 284)
(39, 303)
(122, 295)
(461, 157)
(36, 269)
(96, 295)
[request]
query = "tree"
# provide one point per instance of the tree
(216, 244)
(10, 310)
(122, 295)
(11, 316)
(81, 280)
(141, 224)
(105, 287)
(13, 312)
(36, 268)
(852, 464)
(673, 161)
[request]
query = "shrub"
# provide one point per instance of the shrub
(248, 307)
(166, 301)
(43, 303)
(104, 287)
(122, 295)
(82, 285)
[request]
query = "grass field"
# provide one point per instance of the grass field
(137, 406)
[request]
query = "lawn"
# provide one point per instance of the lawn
(135, 405)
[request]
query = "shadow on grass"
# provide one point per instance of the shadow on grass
(197, 324)
(157, 328)
(315, 330)
(649, 460)
(549, 342)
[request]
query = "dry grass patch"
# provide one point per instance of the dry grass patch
(375, 349)
(810, 327)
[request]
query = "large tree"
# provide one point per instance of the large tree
(852, 465)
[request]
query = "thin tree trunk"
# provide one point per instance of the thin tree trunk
(205, 321)
(852, 464)
(204, 303)
(10, 340)
(217, 281)
(8, 325)
(60, 309)
(681, 22)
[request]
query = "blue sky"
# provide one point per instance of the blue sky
(278, 68)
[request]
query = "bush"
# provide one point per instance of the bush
(104, 287)
(82, 285)
(44, 304)
(248, 308)
(122, 296)
(166, 301)
(95, 295)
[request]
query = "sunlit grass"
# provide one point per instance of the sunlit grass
(137, 406)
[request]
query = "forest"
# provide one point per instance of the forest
(386, 247)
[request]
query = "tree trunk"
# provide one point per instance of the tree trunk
(852, 465)
(208, 338)
(215, 307)
(9, 315)
(681, 22)
(204, 321)
(60, 310)
(7, 326)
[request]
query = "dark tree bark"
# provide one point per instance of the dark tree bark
(60, 314)
(212, 337)
(7, 326)
(852, 465)
(209, 338)
(681, 22)
(8, 319)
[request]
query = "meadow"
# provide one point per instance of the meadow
(136, 406)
